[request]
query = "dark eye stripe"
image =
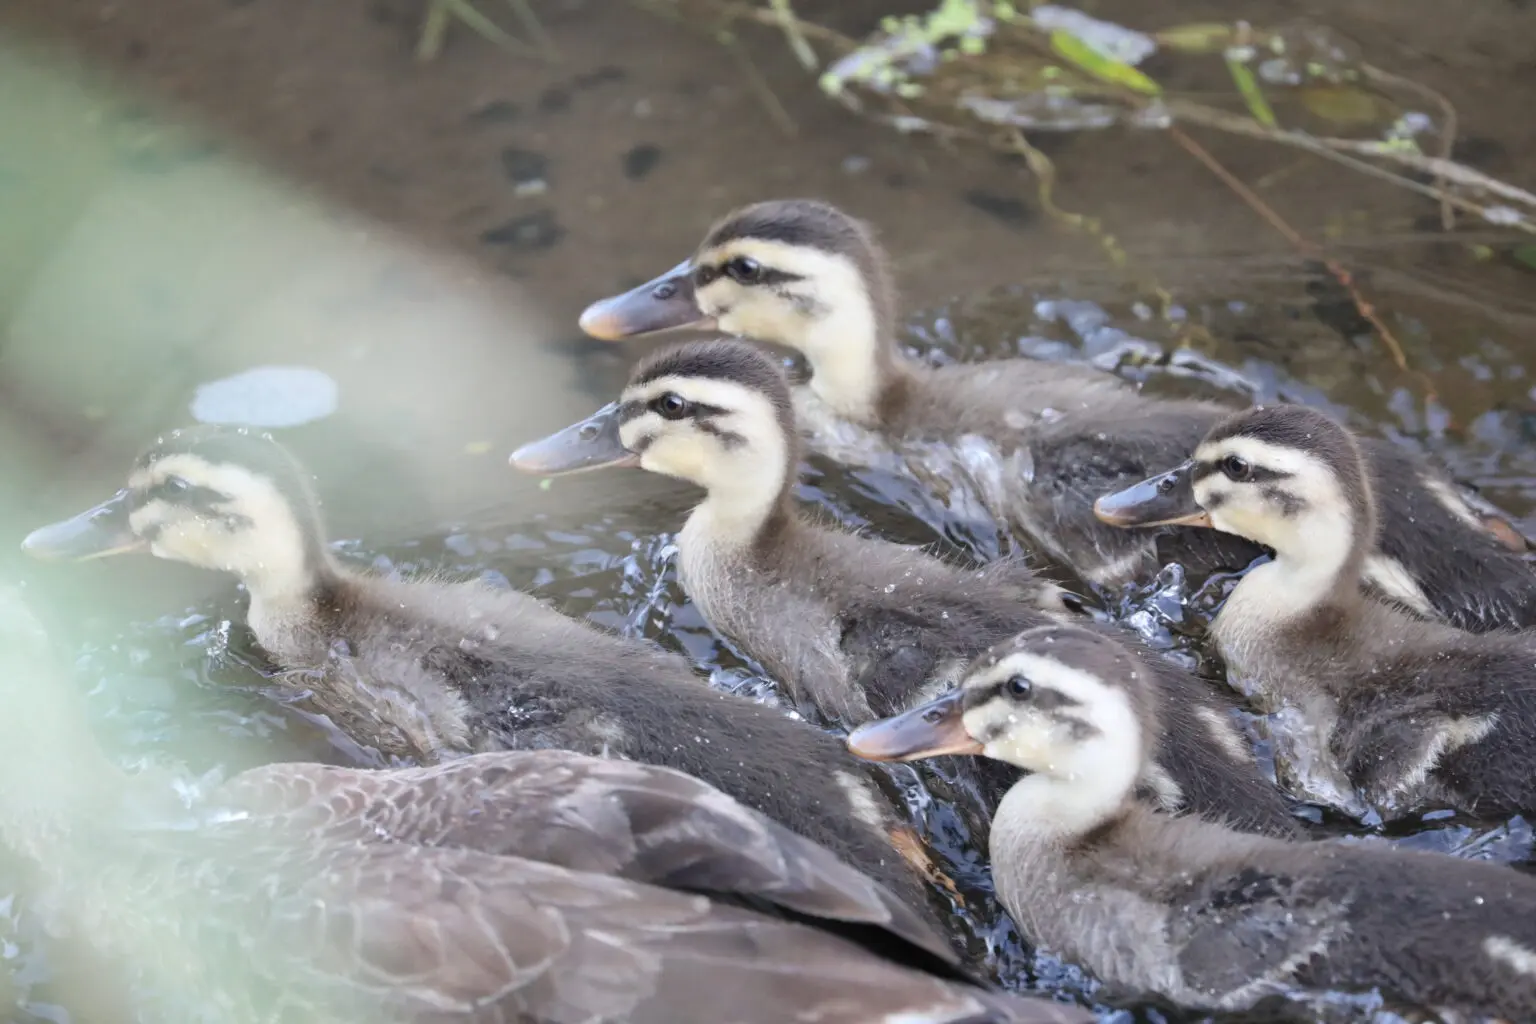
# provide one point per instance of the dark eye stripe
(729, 438)
(203, 499)
(697, 410)
(765, 276)
(770, 276)
(1256, 474)
(1291, 505)
(1042, 697)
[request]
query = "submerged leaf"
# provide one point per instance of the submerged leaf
(1344, 104)
(1252, 95)
(1069, 47)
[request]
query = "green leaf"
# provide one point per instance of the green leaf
(1201, 37)
(1252, 95)
(1070, 47)
(1525, 254)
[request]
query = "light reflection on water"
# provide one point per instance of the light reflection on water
(187, 687)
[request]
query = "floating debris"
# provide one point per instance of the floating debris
(267, 396)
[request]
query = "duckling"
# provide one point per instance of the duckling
(1184, 906)
(1413, 713)
(1037, 441)
(423, 669)
(854, 626)
(530, 886)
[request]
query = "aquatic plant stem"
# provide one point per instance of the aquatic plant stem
(758, 83)
(1343, 150)
(723, 34)
(1044, 171)
(1447, 130)
(441, 12)
(796, 39)
(535, 28)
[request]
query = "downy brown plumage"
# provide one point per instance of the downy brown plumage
(1038, 441)
(540, 887)
(1186, 907)
(1413, 713)
(425, 669)
(854, 626)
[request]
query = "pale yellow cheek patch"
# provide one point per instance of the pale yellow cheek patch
(1235, 517)
(676, 457)
(1022, 738)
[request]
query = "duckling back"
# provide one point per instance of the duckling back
(1429, 716)
(1215, 919)
(517, 675)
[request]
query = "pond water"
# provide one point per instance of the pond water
(403, 375)
(184, 685)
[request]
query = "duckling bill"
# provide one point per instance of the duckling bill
(661, 304)
(99, 532)
(1167, 499)
(594, 443)
(929, 730)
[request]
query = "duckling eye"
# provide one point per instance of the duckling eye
(1235, 469)
(172, 486)
(671, 405)
(1020, 686)
(743, 270)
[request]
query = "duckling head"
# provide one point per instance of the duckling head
(714, 413)
(792, 272)
(1062, 702)
(1286, 476)
(215, 497)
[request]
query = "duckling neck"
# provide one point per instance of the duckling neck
(854, 366)
(1054, 809)
(284, 590)
(1071, 799)
(742, 506)
(1322, 567)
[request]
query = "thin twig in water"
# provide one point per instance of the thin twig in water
(433, 27)
(534, 27)
(758, 83)
(1309, 248)
(722, 34)
(780, 16)
(1340, 150)
(1447, 131)
(440, 13)
(1045, 176)
(797, 43)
